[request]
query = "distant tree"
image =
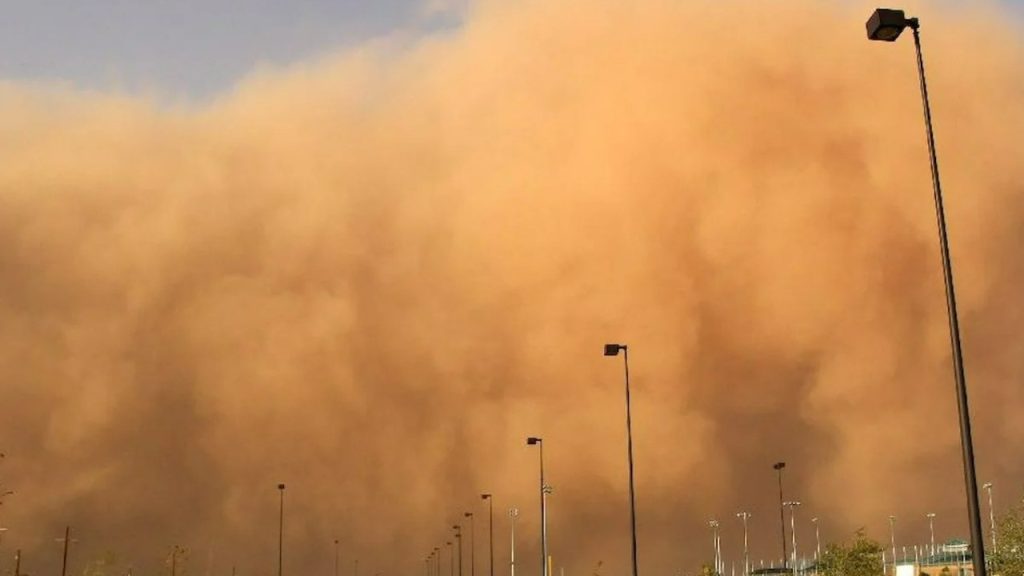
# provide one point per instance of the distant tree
(177, 561)
(707, 570)
(1008, 557)
(104, 566)
(860, 557)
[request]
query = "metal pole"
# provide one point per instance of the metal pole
(782, 512)
(543, 515)
(714, 544)
(629, 440)
(280, 532)
(174, 560)
(513, 514)
(931, 529)
(67, 540)
(458, 538)
(746, 554)
(17, 563)
(966, 442)
(892, 537)
(472, 544)
(336, 557)
(451, 558)
(817, 540)
(792, 530)
(490, 530)
(991, 515)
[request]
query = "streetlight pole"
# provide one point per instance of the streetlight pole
(991, 515)
(458, 539)
(539, 442)
(931, 529)
(613, 350)
(490, 523)
(892, 538)
(472, 544)
(779, 466)
(746, 554)
(792, 528)
(513, 513)
(887, 25)
(280, 532)
(817, 540)
(451, 558)
(716, 546)
(67, 542)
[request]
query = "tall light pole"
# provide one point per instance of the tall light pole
(539, 442)
(490, 523)
(931, 529)
(792, 528)
(991, 514)
(716, 545)
(817, 540)
(892, 538)
(458, 538)
(451, 557)
(437, 561)
(613, 350)
(472, 544)
(746, 552)
(779, 466)
(887, 25)
(67, 542)
(280, 532)
(336, 557)
(513, 513)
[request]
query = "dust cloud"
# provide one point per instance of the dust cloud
(372, 275)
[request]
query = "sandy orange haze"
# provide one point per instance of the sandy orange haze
(371, 276)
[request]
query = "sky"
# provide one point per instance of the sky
(190, 49)
(370, 260)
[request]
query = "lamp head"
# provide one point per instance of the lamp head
(613, 349)
(886, 24)
(468, 514)
(779, 465)
(533, 440)
(280, 486)
(485, 496)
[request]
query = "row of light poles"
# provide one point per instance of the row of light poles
(545, 490)
(434, 558)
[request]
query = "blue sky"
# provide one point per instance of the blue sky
(186, 48)
(192, 49)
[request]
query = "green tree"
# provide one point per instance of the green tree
(1008, 557)
(860, 557)
(707, 570)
